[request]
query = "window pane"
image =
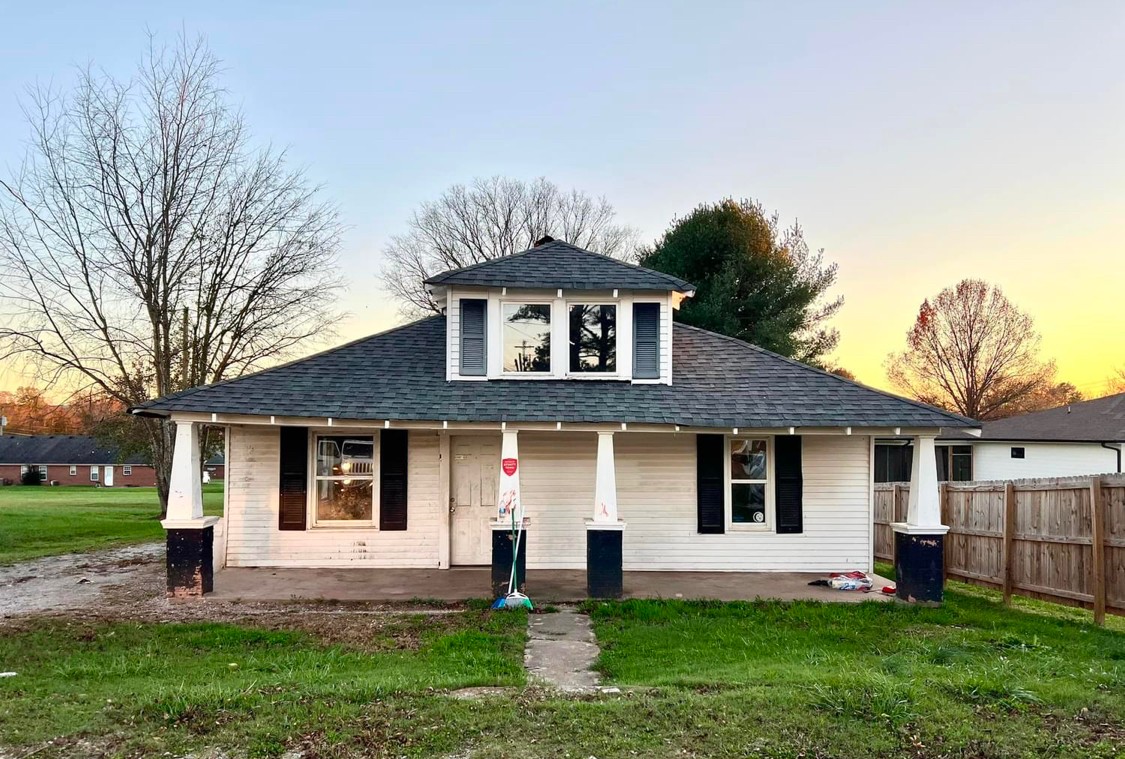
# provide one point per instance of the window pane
(345, 455)
(593, 338)
(343, 499)
(748, 504)
(527, 337)
(747, 459)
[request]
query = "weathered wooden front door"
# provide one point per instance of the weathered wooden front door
(475, 473)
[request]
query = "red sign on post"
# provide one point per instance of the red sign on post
(509, 466)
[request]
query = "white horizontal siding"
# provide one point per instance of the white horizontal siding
(656, 497)
(254, 540)
(993, 461)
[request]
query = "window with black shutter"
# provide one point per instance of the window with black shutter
(474, 342)
(710, 484)
(393, 457)
(294, 476)
(646, 341)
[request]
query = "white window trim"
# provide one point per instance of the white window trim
(95, 474)
(376, 475)
(551, 330)
(73, 470)
(614, 375)
(42, 472)
(769, 524)
(126, 470)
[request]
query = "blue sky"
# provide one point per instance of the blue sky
(917, 143)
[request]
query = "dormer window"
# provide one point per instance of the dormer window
(527, 337)
(593, 338)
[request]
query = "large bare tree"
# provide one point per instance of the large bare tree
(491, 218)
(972, 351)
(147, 246)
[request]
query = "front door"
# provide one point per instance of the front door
(108, 477)
(475, 473)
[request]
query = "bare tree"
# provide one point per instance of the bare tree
(972, 351)
(491, 218)
(148, 248)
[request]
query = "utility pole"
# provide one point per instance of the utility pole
(184, 353)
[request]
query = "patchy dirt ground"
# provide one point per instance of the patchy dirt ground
(74, 581)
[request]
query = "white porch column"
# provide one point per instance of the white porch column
(923, 513)
(920, 540)
(509, 502)
(185, 489)
(191, 536)
(605, 484)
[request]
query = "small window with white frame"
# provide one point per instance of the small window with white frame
(42, 472)
(749, 481)
(593, 338)
(526, 334)
(73, 470)
(95, 474)
(126, 471)
(344, 471)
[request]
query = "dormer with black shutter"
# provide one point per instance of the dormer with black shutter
(558, 312)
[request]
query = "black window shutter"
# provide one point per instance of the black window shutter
(293, 486)
(646, 340)
(474, 343)
(393, 455)
(710, 484)
(789, 489)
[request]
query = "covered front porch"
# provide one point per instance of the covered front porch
(543, 585)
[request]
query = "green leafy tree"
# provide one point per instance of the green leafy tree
(755, 280)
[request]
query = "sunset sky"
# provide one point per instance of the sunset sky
(918, 144)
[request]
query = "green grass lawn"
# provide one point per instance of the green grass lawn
(971, 679)
(46, 521)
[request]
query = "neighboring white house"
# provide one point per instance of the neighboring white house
(554, 387)
(1076, 439)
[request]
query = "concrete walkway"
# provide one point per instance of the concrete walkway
(561, 651)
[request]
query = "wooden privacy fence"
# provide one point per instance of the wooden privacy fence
(1059, 539)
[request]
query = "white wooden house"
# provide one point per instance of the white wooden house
(557, 388)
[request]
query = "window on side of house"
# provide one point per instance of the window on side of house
(593, 338)
(749, 481)
(126, 471)
(961, 463)
(344, 472)
(73, 470)
(94, 474)
(1018, 453)
(526, 332)
(42, 472)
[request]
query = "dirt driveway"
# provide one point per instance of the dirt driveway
(77, 581)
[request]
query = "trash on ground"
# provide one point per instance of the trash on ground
(854, 580)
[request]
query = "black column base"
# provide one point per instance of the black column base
(502, 562)
(191, 568)
(604, 578)
(919, 567)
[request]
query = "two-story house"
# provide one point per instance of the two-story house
(556, 392)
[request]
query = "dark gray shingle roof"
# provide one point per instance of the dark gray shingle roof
(400, 375)
(60, 449)
(1098, 421)
(558, 264)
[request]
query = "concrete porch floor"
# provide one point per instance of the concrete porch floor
(544, 586)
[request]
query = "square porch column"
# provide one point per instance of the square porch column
(919, 541)
(604, 533)
(191, 535)
(509, 528)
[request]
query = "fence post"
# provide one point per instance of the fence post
(943, 504)
(1009, 539)
(1097, 524)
